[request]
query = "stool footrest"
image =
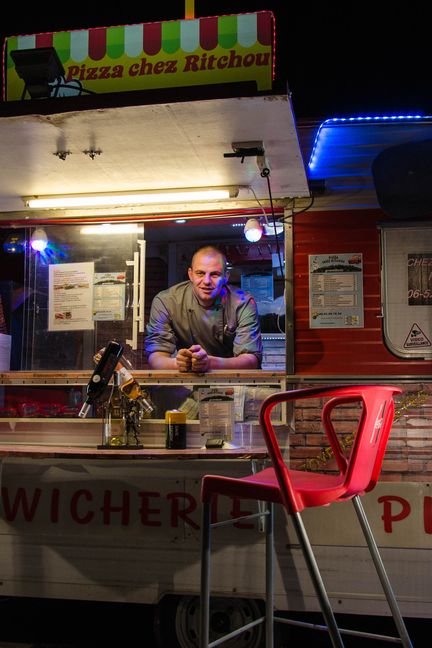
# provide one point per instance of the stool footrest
(347, 631)
(235, 633)
(251, 516)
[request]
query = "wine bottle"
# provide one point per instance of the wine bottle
(101, 375)
(128, 385)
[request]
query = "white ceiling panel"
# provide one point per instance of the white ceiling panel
(148, 147)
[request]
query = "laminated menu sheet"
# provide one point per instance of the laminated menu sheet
(217, 413)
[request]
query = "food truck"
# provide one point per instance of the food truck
(106, 136)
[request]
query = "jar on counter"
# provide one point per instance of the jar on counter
(175, 427)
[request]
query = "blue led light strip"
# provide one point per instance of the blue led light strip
(357, 120)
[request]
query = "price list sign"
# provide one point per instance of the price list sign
(336, 291)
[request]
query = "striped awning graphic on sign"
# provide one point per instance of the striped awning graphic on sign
(152, 38)
(237, 48)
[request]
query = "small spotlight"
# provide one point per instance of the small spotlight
(39, 240)
(253, 230)
(37, 67)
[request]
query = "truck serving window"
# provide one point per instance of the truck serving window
(95, 283)
(407, 289)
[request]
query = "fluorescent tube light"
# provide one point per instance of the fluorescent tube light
(109, 228)
(132, 198)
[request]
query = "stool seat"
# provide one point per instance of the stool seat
(357, 473)
(313, 489)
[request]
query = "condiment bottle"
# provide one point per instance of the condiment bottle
(175, 427)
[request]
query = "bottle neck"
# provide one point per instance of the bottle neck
(124, 375)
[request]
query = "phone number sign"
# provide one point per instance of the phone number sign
(420, 279)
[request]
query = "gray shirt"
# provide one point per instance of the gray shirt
(229, 328)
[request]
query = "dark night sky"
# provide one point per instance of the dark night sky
(338, 59)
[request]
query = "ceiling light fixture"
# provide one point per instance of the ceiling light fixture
(73, 201)
(39, 240)
(253, 230)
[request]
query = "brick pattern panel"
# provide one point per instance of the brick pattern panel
(409, 449)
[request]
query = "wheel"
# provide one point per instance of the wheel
(226, 614)
(176, 622)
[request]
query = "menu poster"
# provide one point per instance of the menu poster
(109, 296)
(260, 286)
(70, 305)
(336, 290)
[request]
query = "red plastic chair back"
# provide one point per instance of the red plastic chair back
(360, 470)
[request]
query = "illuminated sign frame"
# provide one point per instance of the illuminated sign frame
(146, 56)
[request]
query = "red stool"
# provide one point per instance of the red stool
(297, 490)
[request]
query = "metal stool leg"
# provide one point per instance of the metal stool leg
(382, 574)
(205, 577)
(320, 590)
(269, 612)
(206, 527)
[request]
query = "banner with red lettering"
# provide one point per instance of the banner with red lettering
(160, 499)
(192, 52)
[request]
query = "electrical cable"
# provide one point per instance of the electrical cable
(261, 206)
(300, 211)
(265, 173)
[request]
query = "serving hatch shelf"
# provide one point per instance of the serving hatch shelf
(44, 391)
(39, 451)
(166, 377)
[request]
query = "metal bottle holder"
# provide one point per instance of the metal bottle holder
(108, 433)
(132, 412)
(133, 416)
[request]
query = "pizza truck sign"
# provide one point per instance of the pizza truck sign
(147, 56)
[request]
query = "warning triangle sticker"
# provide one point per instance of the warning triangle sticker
(416, 338)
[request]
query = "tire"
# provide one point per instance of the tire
(177, 621)
(226, 614)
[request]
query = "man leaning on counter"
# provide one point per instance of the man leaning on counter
(204, 323)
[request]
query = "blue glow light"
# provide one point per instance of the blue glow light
(39, 240)
(52, 254)
(318, 143)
